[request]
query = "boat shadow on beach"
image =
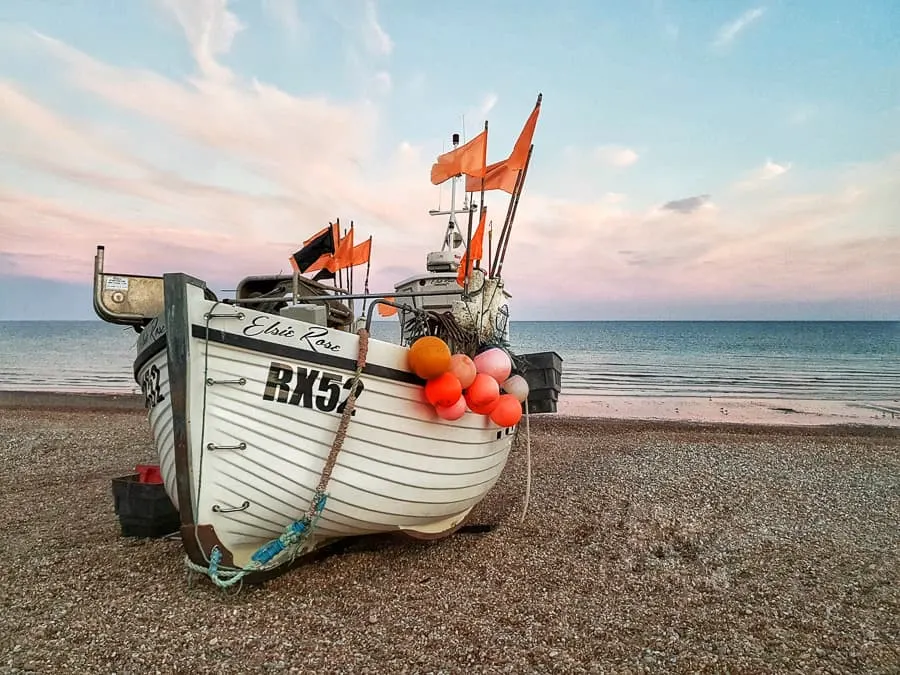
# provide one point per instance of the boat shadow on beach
(378, 543)
(363, 544)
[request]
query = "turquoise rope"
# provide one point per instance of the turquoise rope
(265, 557)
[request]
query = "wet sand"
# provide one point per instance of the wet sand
(649, 546)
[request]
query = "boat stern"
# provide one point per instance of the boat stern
(127, 299)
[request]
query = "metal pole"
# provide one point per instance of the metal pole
(515, 207)
(343, 296)
(471, 213)
(490, 242)
(505, 228)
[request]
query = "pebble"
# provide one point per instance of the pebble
(647, 546)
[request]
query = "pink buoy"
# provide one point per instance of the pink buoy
(517, 386)
(494, 362)
(464, 369)
(452, 412)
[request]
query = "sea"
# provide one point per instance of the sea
(808, 360)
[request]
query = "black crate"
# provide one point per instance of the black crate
(144, 509)
(543, 394)
(543, 372)
(544, 361)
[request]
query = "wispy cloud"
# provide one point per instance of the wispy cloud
(764, 174)
(382, 82)
(487, 104)
(729, 32)
(294, 160)
(616, 155)
(285, 13)
(210, 28)
(377, 39)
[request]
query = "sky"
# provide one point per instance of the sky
(692, 160)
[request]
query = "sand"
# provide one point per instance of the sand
(648, 547)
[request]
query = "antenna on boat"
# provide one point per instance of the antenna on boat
(453, 188)
(452, 235)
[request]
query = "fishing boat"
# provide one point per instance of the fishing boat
(281, 424)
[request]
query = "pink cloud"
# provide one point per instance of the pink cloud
(788, 249)
(317, 159)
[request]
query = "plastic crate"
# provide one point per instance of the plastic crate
(543, 372)
(143, 508)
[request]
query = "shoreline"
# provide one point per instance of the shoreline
(791, 412)
(658, 412)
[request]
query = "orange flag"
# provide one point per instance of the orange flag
(475, 250)
(502, 175)
(469, 159)
(497, 176)
(343, 254)
(358, 256)
(361, 253)
(387, 310)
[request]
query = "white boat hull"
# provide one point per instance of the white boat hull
(244, 410)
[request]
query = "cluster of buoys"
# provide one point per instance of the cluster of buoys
(455, 382)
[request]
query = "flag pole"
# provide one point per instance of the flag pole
(465, 259)
(490, 240)
(336, 230)
(515, 206)
(468, 259)
(342, 275)
(350, 275)
(505, 228)
(366, 280)
(513, 200)
(368, 266)
(483, 178)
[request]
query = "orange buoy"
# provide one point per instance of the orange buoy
(482, 409)
(482, 393)
(452, 412)
(464, 369)
(507, 412)
(429, 357)
(443, 390)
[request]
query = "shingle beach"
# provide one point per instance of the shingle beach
(647, 547)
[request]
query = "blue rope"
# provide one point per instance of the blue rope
(293, 533)
(292, 537)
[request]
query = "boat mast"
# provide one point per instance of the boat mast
(445, 260)
(452, 226)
